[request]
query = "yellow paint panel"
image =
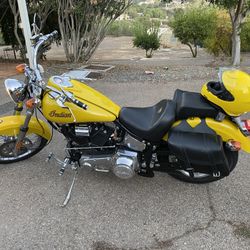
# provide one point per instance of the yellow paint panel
(194, 121)
(10, 126)
(100, 108)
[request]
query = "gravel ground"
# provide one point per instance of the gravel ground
(107, 213)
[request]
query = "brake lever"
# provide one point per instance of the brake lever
(70, 96)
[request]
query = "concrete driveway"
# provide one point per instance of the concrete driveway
(107, 213)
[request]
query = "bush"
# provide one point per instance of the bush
(219, 40)
(1, 39)
(146, 36)
(120, 28)
(155, 13)
(193, 26)
(245, 36)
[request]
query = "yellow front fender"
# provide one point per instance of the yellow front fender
(10, 126)
(226, 129)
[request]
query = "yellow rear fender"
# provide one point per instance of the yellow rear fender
(10, 126)
(229, 131)
(226, 129)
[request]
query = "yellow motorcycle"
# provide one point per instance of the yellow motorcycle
(195, 137)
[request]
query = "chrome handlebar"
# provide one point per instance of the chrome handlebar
(39, 42)
(44, 41)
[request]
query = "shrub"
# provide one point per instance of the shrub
(120, 28)
(219, 40)
(245, 36)
(146, 35)
(1, 39)
(193, 25)
(155, 13)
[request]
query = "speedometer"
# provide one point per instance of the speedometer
(61, 81)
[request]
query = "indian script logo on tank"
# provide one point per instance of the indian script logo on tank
(60, 115)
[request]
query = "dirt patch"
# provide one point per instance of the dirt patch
(242, 230)
(102, 245)
(7, 69)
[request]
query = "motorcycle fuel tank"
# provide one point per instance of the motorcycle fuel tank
(100, 108)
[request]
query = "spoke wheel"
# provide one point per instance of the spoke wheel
(30, 145)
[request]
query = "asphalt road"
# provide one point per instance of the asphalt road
(107, 213)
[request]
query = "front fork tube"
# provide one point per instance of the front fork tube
(23, 130)
(18, 108)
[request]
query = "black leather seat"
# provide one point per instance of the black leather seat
(150, 123)
(190, 104)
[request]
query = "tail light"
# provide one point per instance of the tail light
(247, 124)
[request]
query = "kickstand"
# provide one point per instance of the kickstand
(67, 198)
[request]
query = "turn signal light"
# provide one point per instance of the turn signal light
(20, 68)
(30, 103)
(234, 145)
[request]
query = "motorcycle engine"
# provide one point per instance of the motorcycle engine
(94, 134)
(100, 151)
(127, 163)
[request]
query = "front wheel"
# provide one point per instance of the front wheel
(31, 145)
(198, 177)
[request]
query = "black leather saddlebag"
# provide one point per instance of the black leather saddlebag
(199, 148)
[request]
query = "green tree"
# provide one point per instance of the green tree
(219, 41)
(83, 24)
(7, 23)
(146, 36)
(10, 18)
(245, 36)
(238, 10)
(193, 25)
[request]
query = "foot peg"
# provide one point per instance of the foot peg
(64, 164)
(52, 156)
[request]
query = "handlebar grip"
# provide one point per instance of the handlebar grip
(80, 104)
(54, 34)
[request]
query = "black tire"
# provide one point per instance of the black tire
(25, 153)
(232, 158)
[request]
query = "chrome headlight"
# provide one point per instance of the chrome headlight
(16, 89)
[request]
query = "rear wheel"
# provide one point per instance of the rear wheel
(193, 176)
(30, 146)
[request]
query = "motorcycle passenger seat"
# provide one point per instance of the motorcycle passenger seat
(149, 123)
(191, 104)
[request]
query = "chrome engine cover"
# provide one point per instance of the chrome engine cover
(124, 164)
